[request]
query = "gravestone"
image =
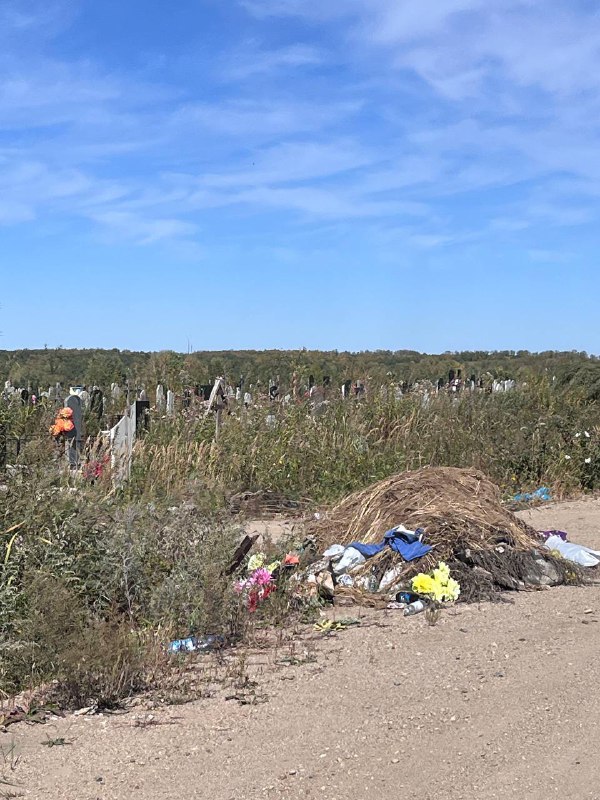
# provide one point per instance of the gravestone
(170, 402)
(97, 402)
(73, 444)
(160, 397)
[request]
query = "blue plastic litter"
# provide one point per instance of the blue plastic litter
(543, 493)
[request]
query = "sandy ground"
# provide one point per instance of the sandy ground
(495, 701)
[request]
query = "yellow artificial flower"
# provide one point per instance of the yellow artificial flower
(422, 584)
(453, 589)
(439, 586)
(442, 572)
(256, 561)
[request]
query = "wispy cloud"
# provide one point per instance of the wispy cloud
(301, 8)
(369, 110)
(43, 18)
(457, 45)
(264, 118)
(301, 160)
(247, 63)
(141, 229)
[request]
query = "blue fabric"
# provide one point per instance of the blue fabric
(369, 550)
(407, 544)
(409, 550)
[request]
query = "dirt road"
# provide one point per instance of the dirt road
(496, 701)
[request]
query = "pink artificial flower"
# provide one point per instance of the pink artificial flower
(261, 577)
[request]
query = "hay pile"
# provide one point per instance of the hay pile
(487, 546)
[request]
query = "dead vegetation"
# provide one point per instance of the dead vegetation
(460, 511)
(456, 507)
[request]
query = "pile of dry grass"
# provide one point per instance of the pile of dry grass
(463, 518)
(452, 505)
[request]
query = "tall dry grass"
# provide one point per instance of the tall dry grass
(520, 439)
(84, 565)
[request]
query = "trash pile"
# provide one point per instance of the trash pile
(430, 523)
(415, 541)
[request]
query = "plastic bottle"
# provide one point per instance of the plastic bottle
(203, 644)
(372, 582)
(406, 597)
(184, 645)
(415, 608)
(206, 644)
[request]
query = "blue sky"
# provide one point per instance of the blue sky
(350, 174)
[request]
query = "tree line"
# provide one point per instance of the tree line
(45, 367)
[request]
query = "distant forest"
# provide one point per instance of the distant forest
(41, 368)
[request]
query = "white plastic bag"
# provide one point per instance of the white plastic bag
(334, 551)
(576, 553)
(391, 577)
(351, 559)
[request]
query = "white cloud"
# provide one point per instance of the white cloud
(430, 100)
(405, 20)
(295, 161)
(314, 202)
(246, 64)
(461, 47)
(41, 18)
(261, 118)
(143, 230)
(455, 45)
